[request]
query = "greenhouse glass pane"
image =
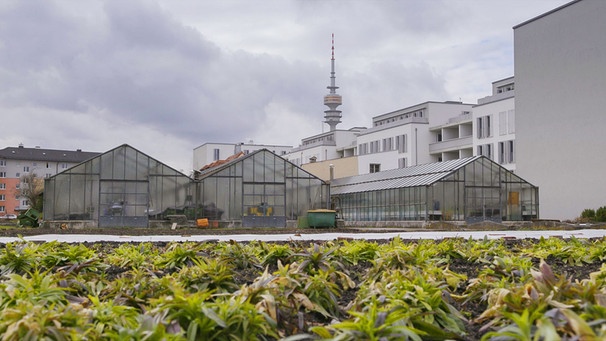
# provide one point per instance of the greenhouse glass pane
(269, 166)
(247, 169)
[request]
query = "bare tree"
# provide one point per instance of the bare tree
(31, 188)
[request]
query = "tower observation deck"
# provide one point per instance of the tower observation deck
(333, 100)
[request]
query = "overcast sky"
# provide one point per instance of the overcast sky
(167, 76)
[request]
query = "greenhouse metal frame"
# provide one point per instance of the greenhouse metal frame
(126, 188)
(470, 189)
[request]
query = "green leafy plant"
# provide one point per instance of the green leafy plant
(375, 322)
(274, 253)
(178, 256)
(18, 258)
(210, 274)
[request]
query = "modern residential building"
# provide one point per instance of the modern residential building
(15, 162)
(334, 144)
(560, 104)
(208, 153)
(401, 138)
(452, 140)
(494, 124)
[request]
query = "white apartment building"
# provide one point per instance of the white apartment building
(494, 124)
(402, 138)
(334, 144)
(211, 152)
(561, 107)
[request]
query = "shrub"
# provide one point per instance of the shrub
(588, 214)
(600, 214)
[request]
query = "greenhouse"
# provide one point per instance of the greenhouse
(471, 189)
(260, 189)
(126, 188)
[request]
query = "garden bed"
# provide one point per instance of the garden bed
(346, 289)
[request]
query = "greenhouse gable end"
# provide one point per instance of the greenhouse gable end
(126, 188)
(470, 189)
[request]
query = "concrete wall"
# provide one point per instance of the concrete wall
(560, 71)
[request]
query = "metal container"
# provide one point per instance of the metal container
(321, 218)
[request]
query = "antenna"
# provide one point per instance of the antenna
(332, 100)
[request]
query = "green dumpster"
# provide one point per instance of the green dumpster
(29, 218)
(321, 218)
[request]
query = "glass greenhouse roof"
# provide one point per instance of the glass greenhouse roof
(421, 175)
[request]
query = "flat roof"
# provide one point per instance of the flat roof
(546, 14)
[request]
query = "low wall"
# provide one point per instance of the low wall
(69, 224)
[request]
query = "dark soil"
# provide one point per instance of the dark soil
(140, 231)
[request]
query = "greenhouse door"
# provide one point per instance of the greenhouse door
(482, 203)
(264, 205)
(123, 203)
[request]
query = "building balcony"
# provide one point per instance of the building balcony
(452, 144)
(395, 123)
(496, 97)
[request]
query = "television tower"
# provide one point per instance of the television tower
(332, 100)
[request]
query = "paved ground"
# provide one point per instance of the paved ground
(327, 235)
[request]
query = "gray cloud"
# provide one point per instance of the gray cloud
(95, 74)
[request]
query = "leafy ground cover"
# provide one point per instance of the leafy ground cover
(451, 289)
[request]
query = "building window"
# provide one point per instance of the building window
(511, 154)
(2, 197)
(374, 147)
(484, 128)
(26, 169)
(503, 123)
(2, 209)
(2, 174)
(64, 165)
(17, 175)
(375, 167)
(506, 152)
(388, 144)
(485, 150)
(511, 121)
(488, 127)
(402, 162)
(402, 143)
(216, 154)
(2, 163)
(363, 149)
(2, 186)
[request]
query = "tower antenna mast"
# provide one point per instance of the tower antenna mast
(333, 100)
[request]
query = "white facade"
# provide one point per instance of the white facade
(494, 124)
(211, 152)
(402, 138)
(560, 75)
(331, 145)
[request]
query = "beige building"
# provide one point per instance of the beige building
(333, 169)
